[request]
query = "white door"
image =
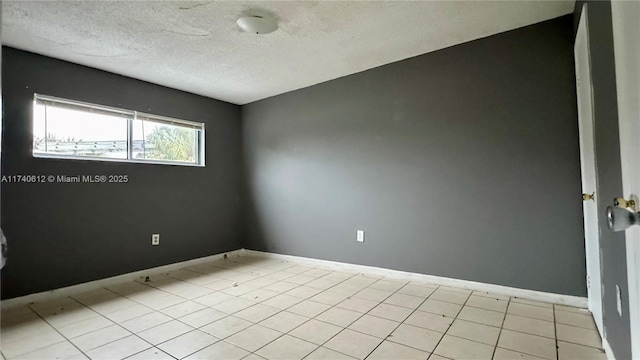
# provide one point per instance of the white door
(588, 168)
(626, 39)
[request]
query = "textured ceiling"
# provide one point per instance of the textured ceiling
(197, 46)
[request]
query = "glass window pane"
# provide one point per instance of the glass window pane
(159, 141)
(71, 132)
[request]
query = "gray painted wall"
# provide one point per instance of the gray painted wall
(609, 174)
(461, 163)
(64, 234)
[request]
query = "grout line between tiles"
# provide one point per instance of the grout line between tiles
(504, 318)
(555, 331)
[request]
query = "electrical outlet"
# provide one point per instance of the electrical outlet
(618, 300)
(360, 236)
(155, 239)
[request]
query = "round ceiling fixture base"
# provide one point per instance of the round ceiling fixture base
(257, 24)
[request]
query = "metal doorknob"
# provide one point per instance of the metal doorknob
(586, 197)
(619, 219)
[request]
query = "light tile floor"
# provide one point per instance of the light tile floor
(256, 308)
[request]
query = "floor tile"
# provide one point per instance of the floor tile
(577, 335)
(323, 353)
(532, 302)
(100, 337)
(388, 285)
(408, 301)
(575, 319)
(300, 279)
(187, 344)
(162, 302)
(449, 296)
(308, 308)
(391, 312)
(322, 283)
(389, 350)
(84, 327)
(202, 317)
(261, 282)
(374, 326)
(38, 306)
(568, 351)
(219, 350)
(254, 337)
(257, 313)
(315, 331)
(473, 331)
(284, 321)
(487, 303)
(329, 298)
(481, 316)
(164, 332)
(226, 327)
(129, 313)
(531, 311)
(119, 349)
(353, 343)
(286, 348)
(528, 344)
(440, 307)
(281, 286)
(67, 314)
(233, 305)
(304, 292)
(279, 275)
(529, 325)
(316, 273)
(457, 348)
(416, 337)
(429, 320)
(213, 298)
(182, 309)
(338, 316)
(504, 354)
(219, 285)
(373, 294)
(151, 354)
(61, 350)
(359, 305)
(112, 305)
(28, 344)
(145, 322)
(259, 295)
(23, 326)
(437, 357)
(416, 290)
(282, 301)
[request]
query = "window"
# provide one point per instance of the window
(76, 130)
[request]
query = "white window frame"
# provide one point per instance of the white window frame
(132, 116)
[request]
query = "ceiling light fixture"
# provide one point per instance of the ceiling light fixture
(258, 24)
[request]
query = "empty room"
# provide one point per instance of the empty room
(288, 180)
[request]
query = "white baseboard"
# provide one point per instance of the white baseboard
(91, 285)
(466, 284)
(608, 350)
